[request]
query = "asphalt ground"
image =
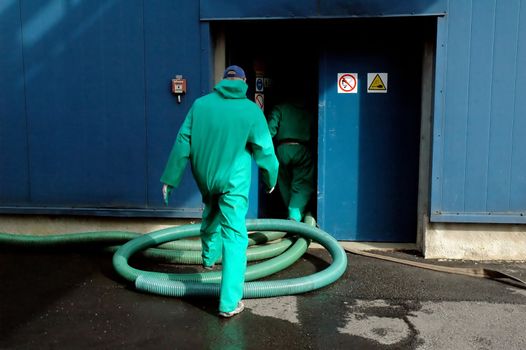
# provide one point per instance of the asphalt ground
(75, 300)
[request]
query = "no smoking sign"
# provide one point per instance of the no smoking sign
(347, 83)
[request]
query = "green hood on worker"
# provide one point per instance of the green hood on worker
(233, 89)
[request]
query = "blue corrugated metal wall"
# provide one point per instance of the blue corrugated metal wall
(86, 114)
(479, 158)
(13, 122)
(87, 117)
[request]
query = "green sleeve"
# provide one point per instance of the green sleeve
(274, 121)
(180, 154)
(263, 151)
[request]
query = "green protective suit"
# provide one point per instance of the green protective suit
(220, 134)
(290, 126)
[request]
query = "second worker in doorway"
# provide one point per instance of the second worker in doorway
(290, 126)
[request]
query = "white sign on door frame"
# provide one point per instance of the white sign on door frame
(347, 83)
(376, 83)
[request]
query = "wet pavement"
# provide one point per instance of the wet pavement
(74, 300)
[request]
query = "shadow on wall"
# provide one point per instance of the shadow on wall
(386, 7)
(320, 8)
(88, 112)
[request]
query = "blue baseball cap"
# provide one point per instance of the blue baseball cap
(234, 72)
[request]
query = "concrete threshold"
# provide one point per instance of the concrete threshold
(365, 246)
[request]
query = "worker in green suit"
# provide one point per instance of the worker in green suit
(220, 134)
(290, 126)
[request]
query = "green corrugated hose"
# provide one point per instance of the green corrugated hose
(179, 285)
(171, 252)
(280, 255)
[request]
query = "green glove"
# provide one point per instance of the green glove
(167, 190)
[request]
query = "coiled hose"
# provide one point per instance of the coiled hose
(280, 255)
(202, 284)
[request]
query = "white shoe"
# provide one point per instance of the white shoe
(240, 307)
(209, 268)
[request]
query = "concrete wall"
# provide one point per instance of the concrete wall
(47, 225)
(474, 241)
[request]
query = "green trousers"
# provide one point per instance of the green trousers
(224, 233)
(295, 178)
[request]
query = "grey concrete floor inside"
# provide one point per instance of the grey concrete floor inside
(74, 300)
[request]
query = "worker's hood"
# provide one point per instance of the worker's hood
(232, 88)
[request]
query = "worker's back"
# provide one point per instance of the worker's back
(222, 124)
(289, 121)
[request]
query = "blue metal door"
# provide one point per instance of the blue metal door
(369, 142)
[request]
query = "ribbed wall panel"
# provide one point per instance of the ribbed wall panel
(482, 123)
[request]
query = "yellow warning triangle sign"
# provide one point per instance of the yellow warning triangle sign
(377, 84)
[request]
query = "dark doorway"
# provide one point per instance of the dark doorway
(367, 145)
(286, 57)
